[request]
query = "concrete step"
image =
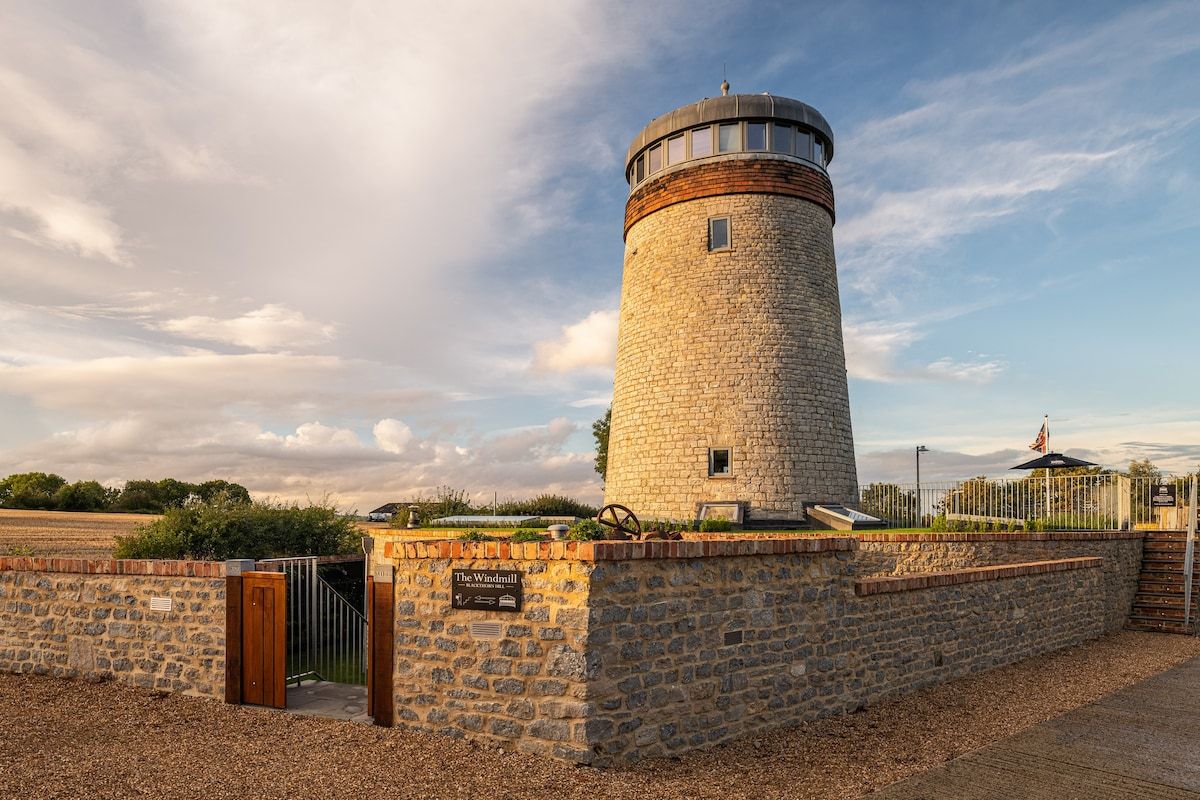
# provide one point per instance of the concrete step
(1156, 626)
(1157, 601)
(1157, 613)
(1166, 536)
(1165, 547)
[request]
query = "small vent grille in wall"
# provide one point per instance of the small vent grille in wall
(160, 604)
(485, 630)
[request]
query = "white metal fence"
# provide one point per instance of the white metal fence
(326, 634)
(1069, 502)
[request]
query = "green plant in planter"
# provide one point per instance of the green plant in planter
(715, 525)
(587, 530)
(527, 536)
(476, 536)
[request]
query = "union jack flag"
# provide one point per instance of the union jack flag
(1043, 438)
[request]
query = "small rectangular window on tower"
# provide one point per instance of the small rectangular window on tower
(702, 142)
(718, 233)
(720, 462)
(641, 169)
(818, 151)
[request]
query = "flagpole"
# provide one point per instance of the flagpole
(1045, 450)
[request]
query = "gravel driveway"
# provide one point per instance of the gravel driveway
(72, 739)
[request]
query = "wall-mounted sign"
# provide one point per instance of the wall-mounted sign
(486, 589)
(1162, 495)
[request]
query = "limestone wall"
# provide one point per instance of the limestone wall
(627, 650)
(92, 619)
(739, 348)
(526, 688)
(901, 553)
(695, 653)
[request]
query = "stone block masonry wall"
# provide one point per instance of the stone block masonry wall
(902, 553)
(694, 653)
(530, 688)
(738, 348)
(527, 687)
(629, 650)
(92, 619)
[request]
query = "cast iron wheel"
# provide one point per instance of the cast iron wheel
(620, 518)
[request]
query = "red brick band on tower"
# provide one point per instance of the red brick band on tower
(735, 176)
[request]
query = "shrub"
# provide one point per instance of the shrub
(587, 530)
(527, 536)
(476, 536)
(535, 523)
(940, 524)
(716, 525)
(225, 528)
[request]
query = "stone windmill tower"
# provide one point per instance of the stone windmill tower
(730, 393)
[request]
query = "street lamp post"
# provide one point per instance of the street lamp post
(920, 449)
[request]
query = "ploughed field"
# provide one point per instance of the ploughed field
(66, 739)
(64, 533)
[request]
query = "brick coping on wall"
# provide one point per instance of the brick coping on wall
(114, 566)
(997, 536)
(929, 580)
(613, 551)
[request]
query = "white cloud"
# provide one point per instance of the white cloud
(392, 435)
(315, 436)
(588, 344)
(980, 371)
(272, 327)
(975, 149)
(875, 351)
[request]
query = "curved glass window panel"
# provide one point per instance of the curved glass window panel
(781, 138)
(702, 142)
(729, 139)
(675, 150)
(655, 158)
(819, 151)
(641, 169)
(804, 144)
(756, 136)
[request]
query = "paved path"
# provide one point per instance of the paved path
(326, 699)
(1141, 742)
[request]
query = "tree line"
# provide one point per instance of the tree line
(50, 492)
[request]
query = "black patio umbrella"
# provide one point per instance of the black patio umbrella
(1053, 461)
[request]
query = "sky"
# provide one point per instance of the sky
(357, 251)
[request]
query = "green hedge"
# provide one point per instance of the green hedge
(222, 529)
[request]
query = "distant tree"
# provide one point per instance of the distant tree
(600, 430)
(30, 490)
(890, 502)
(174, 493)
(234, 492)
(140, 496)
(84, 496)
(1144, 469)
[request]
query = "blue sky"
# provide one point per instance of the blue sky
(367, 250)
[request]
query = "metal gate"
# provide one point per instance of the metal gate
(326, 633)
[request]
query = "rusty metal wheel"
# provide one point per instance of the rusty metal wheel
(620, 519)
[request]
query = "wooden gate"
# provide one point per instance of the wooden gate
(264, 622)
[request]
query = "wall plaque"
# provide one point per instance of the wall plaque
(486, 589)
(1162, 495)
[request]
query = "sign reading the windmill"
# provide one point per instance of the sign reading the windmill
(486, 590)
(1162, 495)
